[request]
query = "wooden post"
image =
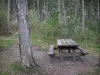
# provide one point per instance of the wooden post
(74, 55)
(61, 55)
(69, 50)
(51, 50)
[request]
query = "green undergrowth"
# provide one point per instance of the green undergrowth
(88, 46)
(18, 69)
(5, 73)
(38, 40)
(45, 42)
(6, 43)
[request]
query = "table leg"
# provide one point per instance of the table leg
(74, 56)
(69, 50)
(61, 55)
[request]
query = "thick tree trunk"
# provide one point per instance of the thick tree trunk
(24, 34)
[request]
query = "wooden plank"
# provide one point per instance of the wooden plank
(68, 42)
(59, 42)
(71, 41)
(64, 42)
(74, 43)
(51, 50)
(81, 49)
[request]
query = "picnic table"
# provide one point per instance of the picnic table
(69, 45)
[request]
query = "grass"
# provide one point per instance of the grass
(38, 40)
(96, 72)
(45, 42)
(4, 73)
(18, 69)
(88, 46)
(6, 43)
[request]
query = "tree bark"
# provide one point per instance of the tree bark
(24, 35)
(59, 9)
(77, 8)
(83, 22)
(38, 10)
(8, 18)
(83, 16)
(64, 10)
(98, 10)
(45, 11)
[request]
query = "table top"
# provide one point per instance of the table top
(66, 42)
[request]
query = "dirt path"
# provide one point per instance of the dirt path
(51, 65)
(54, 67)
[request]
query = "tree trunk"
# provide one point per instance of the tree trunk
(99, 60)
(76, 8)
(83, 23)
(45, 12)
(38, 10)
(44, 3)
(59, 9)
(8, 18)
(98, 20)
(83, 16)
(24, 35)
(98, 10)
(64, 10)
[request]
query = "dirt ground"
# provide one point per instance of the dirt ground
(52, 66)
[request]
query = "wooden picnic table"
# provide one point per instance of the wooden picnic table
(69, 45)
(66, 44)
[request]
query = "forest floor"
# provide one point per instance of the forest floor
(50, 66)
